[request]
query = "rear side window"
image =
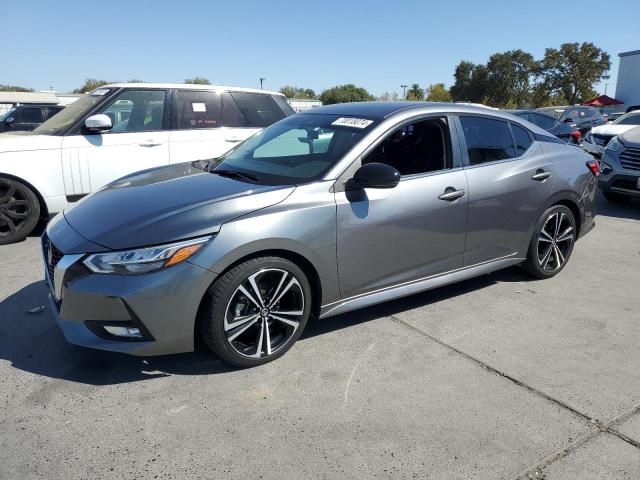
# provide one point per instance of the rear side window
(487, 140)
(29, 115)
(543, 121)
(198, 110)
(521, 138)
(258, 110)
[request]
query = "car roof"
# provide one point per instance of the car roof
(387, 109)
(190, 86)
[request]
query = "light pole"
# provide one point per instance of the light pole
(262, 79)
(404, 91)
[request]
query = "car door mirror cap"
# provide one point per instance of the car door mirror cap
(374, 175)
(98, 123)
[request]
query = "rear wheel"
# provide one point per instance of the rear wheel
(19, 211)
(616, 197)
(256, 311)
(552, 243)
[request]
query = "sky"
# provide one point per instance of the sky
(378, 45)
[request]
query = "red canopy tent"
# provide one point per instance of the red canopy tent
(603, 100)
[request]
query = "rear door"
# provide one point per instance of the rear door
(509, 179)
(138, 140)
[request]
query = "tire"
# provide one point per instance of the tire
(616, 197)
(245, 330)
(546, 262)
(19, 211)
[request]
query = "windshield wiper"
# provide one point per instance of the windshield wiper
(237, 175)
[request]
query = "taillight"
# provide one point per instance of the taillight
(594, 167)
(576, 135)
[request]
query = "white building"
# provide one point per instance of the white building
(628, 83)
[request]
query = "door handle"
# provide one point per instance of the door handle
(233, 140)
(450, 194)
(149, 144)
(541, 176)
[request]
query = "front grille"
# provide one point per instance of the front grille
(52, 256)
(630, 158)
(601, 140)
(626, 184)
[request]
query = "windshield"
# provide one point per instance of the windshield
(298, 149)
(555, 112)
(7, 114)
(628, 119)
(70, 115)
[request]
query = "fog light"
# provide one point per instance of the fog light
(128, 332)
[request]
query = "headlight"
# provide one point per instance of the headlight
(614, 145)
(144, 260)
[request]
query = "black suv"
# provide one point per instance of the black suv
(579, 117)
(27, 117)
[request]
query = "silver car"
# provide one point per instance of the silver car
(321, 213)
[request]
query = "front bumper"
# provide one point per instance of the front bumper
(623, 183)
(162, 304)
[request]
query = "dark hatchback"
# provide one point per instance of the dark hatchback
(580, 117)
(562, 130)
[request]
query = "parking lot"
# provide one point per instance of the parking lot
(495, 377)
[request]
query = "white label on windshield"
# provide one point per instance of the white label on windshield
(100, 92)
(353, 122)
(199, 107)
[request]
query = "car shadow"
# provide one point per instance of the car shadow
(31, 341)
(628, 210)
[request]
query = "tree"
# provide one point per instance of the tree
(295, 92)
(509, 78)
(345, 93)
(438, 93)
(573, 70)
(89, 85)
(389, 97)
(415, 92)
(460, 91)
(14, 88)
(198, 81)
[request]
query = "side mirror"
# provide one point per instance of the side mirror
(374, 175)
(98, 123)
(9, 121)
(568, 120)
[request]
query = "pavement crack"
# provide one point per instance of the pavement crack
(601, 427)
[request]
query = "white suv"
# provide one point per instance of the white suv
(116, 130)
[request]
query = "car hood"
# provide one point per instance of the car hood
(611, 129)
(631, 136)
(24, 141)
(166, 204)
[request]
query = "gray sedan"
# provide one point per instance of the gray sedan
(319, 214)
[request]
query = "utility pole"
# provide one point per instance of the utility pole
(262, 79)
(404, 91)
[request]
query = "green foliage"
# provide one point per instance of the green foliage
(573, 70)
(197, 81)
(438, 93)
(295, 92)
(515, 79)
(14, 88)
(89, 85)
(415, 93)
(389, 97)
(345, 93)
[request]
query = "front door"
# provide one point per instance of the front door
(417, 229)
(138, 140)
(509, 179)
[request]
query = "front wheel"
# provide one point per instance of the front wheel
(256, 311)
(552, 242)
(19, 211)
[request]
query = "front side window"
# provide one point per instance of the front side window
(29, 115)
(416, 148)
(136, 110)
(258, 110)
(199, 109)
(487, 140)
(543, 121)
(298, 149)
